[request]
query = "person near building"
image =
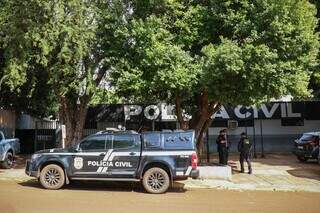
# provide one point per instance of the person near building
(222, 145)
(245, 147)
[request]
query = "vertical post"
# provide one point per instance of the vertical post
(124, 118)
(254, 139)
(262, 144)
(63, 135)
(208, 151)
(35, 138)
(245, 121)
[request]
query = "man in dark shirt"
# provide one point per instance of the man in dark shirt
(244, 147)
(222, 144)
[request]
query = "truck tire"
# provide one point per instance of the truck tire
(52, 177)
(156, 180)
(302, 159)
(8, 161)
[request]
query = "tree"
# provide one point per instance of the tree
(71, 42)
(314, 84)
(236, 52)
(26, 98)
(154, 67)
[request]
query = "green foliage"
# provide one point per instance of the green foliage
(247, 70)
(314, 84)
(70, 42)
(153, 66)
(105, 96)
(243, 52)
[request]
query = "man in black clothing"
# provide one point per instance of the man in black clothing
(244, 147)
(222, 143)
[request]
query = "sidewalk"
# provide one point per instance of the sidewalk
(273, 173)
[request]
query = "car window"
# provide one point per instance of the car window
(123, 141)
(152, 140)
(94, 143)
(182, 140)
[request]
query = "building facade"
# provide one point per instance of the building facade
(272, 127)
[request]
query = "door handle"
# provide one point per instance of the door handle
(132, 153)
(102, 154)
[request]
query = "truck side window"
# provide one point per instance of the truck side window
(181, 140)
(123, 141)
(94, 143)
(152, 140)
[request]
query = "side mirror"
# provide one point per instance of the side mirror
(78, 148)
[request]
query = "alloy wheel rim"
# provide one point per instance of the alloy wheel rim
(52, 177)
(156, 181)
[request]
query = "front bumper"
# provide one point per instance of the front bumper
(30, 171)
(302, 153)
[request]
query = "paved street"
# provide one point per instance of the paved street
(280, 183)
(106, 197)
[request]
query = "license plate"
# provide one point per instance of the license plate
(300, 147)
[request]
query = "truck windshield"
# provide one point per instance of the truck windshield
(306, 137)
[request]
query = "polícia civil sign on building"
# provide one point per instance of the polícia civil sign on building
(165, 112)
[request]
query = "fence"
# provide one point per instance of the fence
(44, 135)
(7, 122)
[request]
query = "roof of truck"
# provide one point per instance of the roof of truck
(118, 131)
(312, 133)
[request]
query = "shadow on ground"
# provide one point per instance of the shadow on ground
(20, 161)
(104, 186)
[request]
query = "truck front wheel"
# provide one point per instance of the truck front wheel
(8, 161)
(156, 180)
(52, 177)
(302, 159)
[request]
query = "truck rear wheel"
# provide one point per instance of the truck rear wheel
(8, 161)
(156, 180)
(52, 177)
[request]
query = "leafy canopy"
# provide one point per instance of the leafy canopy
(242, 52)
(72, 42)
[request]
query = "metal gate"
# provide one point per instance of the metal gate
(46, 135)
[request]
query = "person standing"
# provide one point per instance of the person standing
(222, 144)
(244, 147)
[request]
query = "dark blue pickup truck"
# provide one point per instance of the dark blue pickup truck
(154, 158)
(8, 149)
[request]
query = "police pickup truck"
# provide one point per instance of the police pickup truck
(154, 158)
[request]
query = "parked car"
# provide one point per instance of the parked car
(8, 149)
(307, 146)
(154, 158)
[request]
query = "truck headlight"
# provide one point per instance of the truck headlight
(35, 156)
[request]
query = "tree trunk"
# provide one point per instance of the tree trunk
(183, 124)
(202, 118)
(73, 115)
